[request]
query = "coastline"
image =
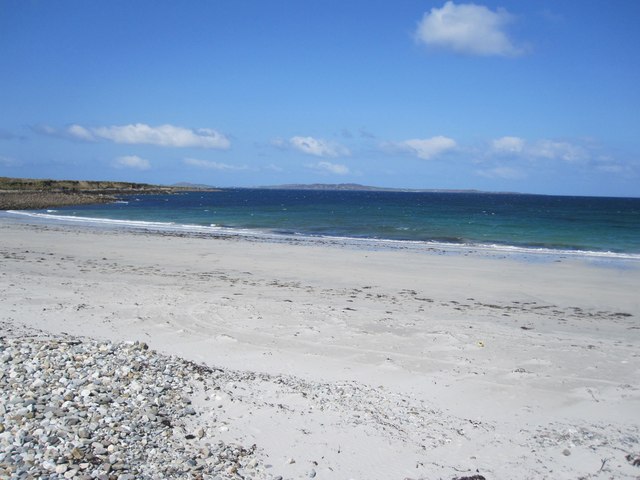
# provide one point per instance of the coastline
(34, 194)
(512, 368)
(535, 254)
(26, 200)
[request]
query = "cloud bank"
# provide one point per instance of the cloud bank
(141, 133)
(469, 29)
(132, 161)
(318, 147)
(508, 145)
(541, 149)
(513, 156)
(328, 167)
(211, 165)
(424, 148)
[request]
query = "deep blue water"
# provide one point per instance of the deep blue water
(528, 221)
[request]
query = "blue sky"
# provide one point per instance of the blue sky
(529, 96)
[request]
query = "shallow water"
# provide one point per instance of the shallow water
(502, 221)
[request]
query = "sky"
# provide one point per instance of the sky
(522, 96)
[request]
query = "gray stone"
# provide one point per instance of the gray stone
(97, 410)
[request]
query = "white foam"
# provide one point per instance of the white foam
(136, 224)
(213, 228)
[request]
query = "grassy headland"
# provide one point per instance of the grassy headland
(28, 193)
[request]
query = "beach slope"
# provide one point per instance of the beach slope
(329, 361)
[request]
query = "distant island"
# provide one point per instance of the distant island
(194, 186)
(354, 187)
(28, 193)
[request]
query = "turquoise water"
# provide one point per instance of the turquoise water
(499, 220)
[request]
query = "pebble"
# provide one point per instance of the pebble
(120, 410)
(103, 410)
(37, 383)
(70, 473)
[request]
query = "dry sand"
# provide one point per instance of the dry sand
(361, 363)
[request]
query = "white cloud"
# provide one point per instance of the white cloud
(541, 149)
(211, 165)
(140, 133)
(132, 161)
(467, 28)
(427, 148)
(558, 150)
(333, 168)
(318, 147)
(508, 145)
(522, 153)
(80, 133)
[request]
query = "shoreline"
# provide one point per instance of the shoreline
(164, 228)
(372, 363)
(34, 194)
(36, 200)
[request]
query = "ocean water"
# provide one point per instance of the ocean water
(500, 221)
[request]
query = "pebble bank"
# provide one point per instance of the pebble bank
(72, 409)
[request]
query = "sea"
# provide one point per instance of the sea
(595, 226)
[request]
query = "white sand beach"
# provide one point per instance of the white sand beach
(359, 363)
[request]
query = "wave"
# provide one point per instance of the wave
(133, 224)
(452, 244)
